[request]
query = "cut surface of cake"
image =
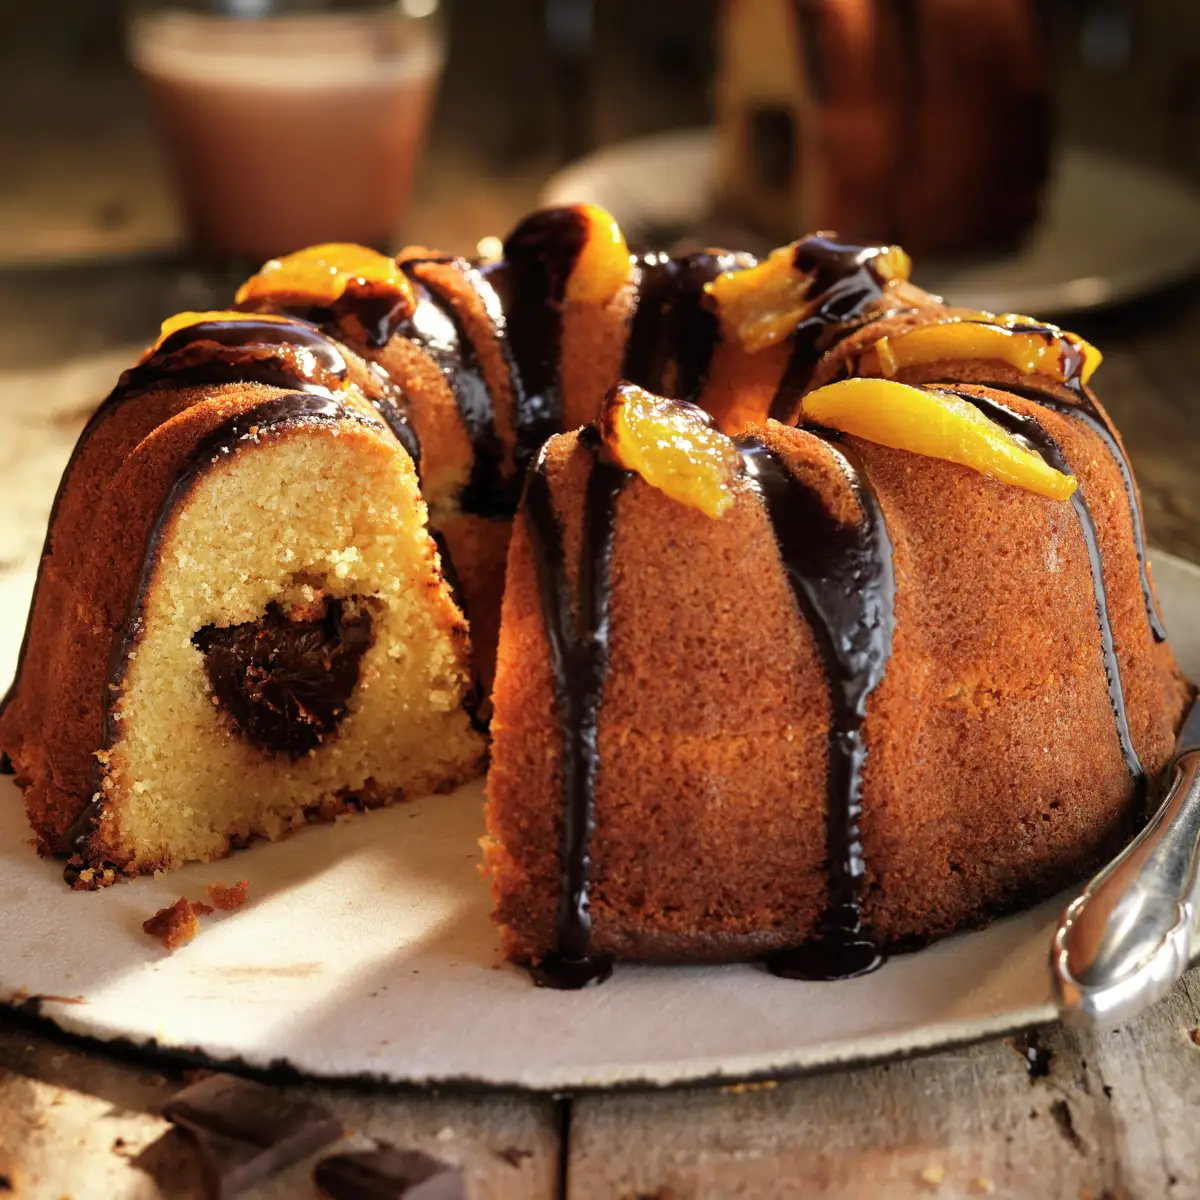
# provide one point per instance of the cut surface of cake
(240, 620)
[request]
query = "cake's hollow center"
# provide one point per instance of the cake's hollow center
(283, 681)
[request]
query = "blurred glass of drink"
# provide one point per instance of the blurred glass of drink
(290, 123)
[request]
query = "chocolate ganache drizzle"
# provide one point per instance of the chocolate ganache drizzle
(673, 324)
(1084, 408)
(531, 284)
(579, 662)
(278, 352)
(435, 326)
(844, 584)
(1027, 431)
(846, 281)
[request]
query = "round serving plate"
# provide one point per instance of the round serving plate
(1111, 230)
(366, 953)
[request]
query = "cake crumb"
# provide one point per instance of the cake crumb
(445, 1134)
(932, 1174)
(176, 924)
(228, 898)
(983, 1185)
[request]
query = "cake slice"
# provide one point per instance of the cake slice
(240, 621)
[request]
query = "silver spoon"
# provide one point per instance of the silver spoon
(1126, 940)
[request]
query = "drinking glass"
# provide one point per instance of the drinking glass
(289, 122)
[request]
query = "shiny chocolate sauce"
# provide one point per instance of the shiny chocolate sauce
(284, 683)
(531, 284)
(435, 326)
(225, 440)
(1085, 409)
(844, 584)
(845, 280)
(578, 643)
(1032, 435)
(286, 354)
(674, 323)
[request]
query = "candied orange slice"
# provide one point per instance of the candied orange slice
(761, 305)
(604, 264)
(183, 320)
(934, 423)
(672, 445)
(1043, 350)
(320, 274)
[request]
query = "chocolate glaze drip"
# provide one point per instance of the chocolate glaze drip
(285, 354)
(392, 406)
(1084, 409)
(1032, 435)
(225, 440)
(434, 325)
(284, 683)
(376, 306)
(843, 581)
(674, 323)
(531, 284)
(579, 661)
(844, 280)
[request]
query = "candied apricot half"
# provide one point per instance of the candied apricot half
(672, 445)
(320, 275)
(762, 305)
(934, 423)
(604, 264)
(1030, 348)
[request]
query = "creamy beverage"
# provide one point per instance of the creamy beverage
(293, 129)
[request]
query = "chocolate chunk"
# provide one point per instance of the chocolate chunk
(245, 1132)
(389, 1174)
(284, 684)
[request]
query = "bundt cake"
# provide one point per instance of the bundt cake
(240, 619)
(906, 675)
(826, 623)
(926, 122)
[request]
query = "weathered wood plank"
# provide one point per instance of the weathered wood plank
(1110, 1115)
(84, 1125)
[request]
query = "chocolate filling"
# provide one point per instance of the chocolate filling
(283, 683)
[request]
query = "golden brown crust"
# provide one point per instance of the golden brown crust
(994, 772)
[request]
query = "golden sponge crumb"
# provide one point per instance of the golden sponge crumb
(176, 924)
(309, 513)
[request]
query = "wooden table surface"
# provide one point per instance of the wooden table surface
(1057, 1114)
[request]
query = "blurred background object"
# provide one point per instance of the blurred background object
(528, 85)
(925, 122)
(251, 94)
(94, 250)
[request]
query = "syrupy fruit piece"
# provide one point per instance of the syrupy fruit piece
(1027, 346)
(935, 423)
(762, 305)
(319, 276)
(674, 446)
(604, 264)
(284, 683)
